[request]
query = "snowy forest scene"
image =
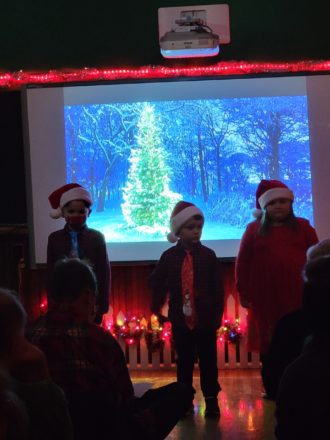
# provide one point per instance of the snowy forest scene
(139, 159)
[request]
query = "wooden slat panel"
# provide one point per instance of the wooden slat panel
(167, 356)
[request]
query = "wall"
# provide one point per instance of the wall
(37, 35)
(42, 35)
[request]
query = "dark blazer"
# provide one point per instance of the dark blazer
(166, 279)
(92, 247)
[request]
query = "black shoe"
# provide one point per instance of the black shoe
(212, 407)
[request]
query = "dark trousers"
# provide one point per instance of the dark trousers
(200, 343)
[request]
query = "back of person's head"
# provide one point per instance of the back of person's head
(316, 293)
(319, 249)
(12, 318)
(69, 279)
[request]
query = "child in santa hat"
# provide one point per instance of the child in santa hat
(189, 273)
(76, 240)
(270, 261)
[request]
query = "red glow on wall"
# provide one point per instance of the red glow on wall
(15, 80)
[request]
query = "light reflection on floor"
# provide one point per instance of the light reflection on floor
(245, 414)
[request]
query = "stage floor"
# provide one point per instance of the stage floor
(245, 414)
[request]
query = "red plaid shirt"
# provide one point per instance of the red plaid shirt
(82, 356)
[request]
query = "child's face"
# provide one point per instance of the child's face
(75, 212)
(191, 231)
(279, 210)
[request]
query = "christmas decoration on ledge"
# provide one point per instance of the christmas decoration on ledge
(130, 330)
(15, 80)
(156, 335)
(230, 331)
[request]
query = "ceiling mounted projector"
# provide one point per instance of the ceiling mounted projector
(192, 32)
(190, 41)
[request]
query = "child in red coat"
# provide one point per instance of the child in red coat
(270, 261)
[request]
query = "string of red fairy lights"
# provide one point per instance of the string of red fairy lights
(15, 80)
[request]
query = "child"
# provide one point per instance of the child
(76, 240)
(189, 273)
(270, 262)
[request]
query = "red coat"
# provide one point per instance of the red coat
(269, 275)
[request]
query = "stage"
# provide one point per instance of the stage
(245, 414)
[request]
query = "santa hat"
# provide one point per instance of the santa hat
(269, 190)
(65, 194)
(181, 213)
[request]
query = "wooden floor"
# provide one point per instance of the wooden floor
(245, 414)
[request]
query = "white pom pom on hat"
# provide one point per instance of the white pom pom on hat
(269, 190)
(181, 213)
(65, 194)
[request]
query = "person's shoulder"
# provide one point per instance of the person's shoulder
(57, 233)
(207, 250)
(95, 233)
(29, 362)
(254, 225)
(251, 228)
(305, 227)
(304, 222)
(170, 251)
(101, 334)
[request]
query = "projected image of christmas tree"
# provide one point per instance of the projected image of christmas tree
(148, 201)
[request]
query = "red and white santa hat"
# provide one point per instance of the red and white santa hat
(181, 213)
(269, 190)
(65, 194)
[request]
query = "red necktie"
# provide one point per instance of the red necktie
(188, 294)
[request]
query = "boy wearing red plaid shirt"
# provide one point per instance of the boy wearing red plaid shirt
(189, 274)
(89, 365)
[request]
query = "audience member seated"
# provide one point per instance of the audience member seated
(290, 335)
(286, 345)
(14, 424)
(28, 375)
(88, 363)
(319, 249)
(303, 409)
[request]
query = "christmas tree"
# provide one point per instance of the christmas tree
(148, 201)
